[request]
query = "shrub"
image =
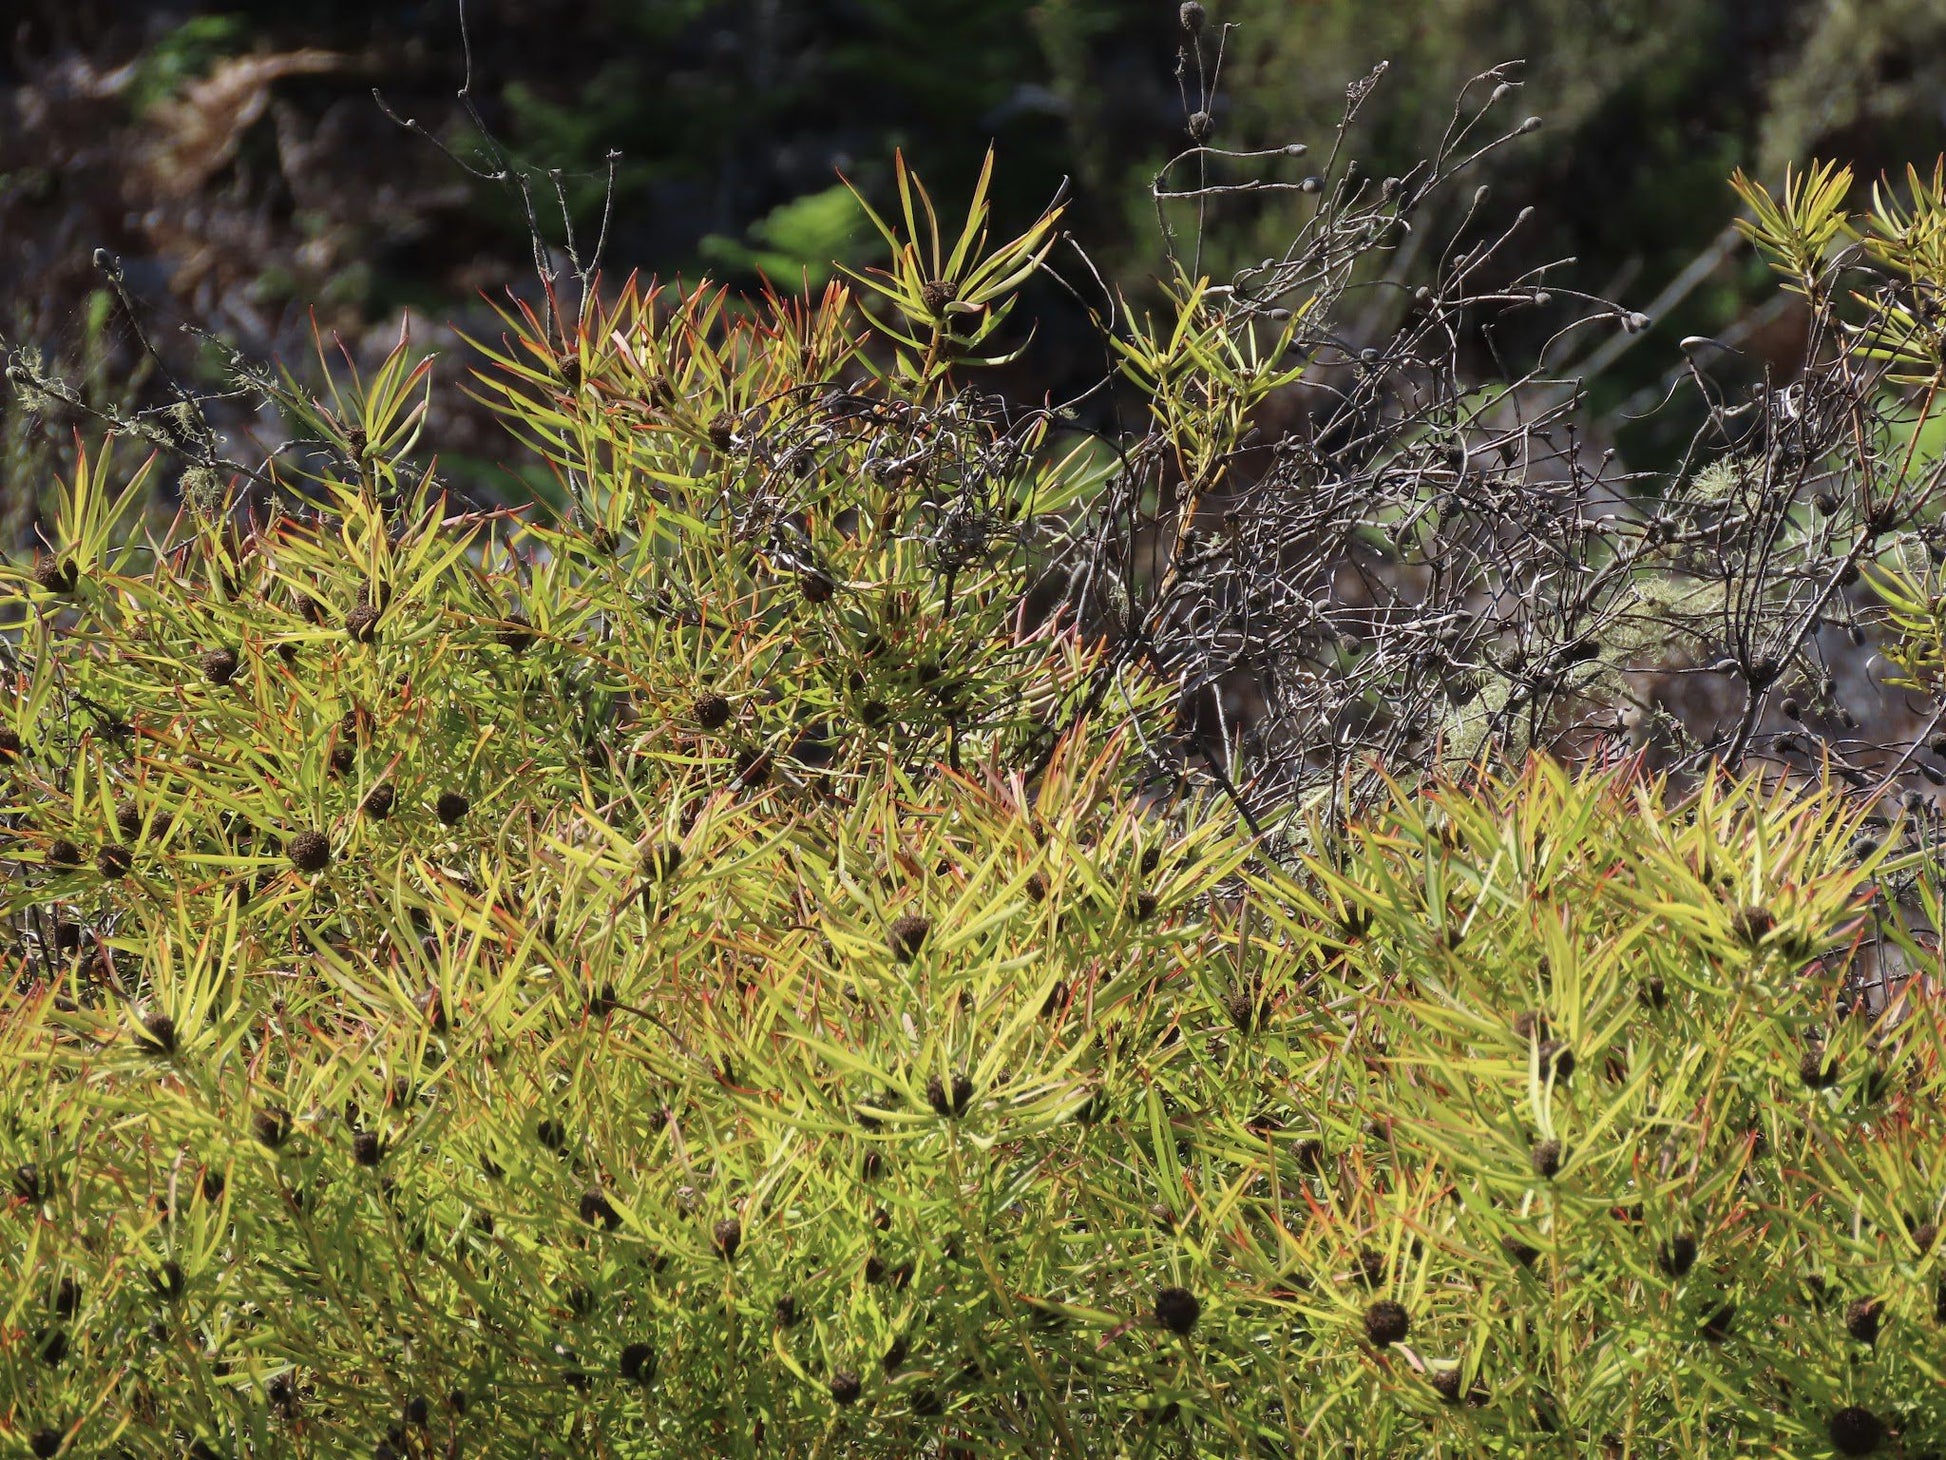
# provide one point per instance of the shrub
(752, 986)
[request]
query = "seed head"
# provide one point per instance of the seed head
(661, 861)
(1386, 1322)
(1924, 1235)
(1193, 17)
(722, 433)
(1678, 1255)
(1546, 1159)
(1855, 1430)
(309, 851)
(908, 934)
(1862, 1319)
(161, 1034)
(949, 1102)
(752, 768)
(451, 807)
(1446, 1383)
(1201, 126)
(1816, 1068)
(784, 1314)
(365, 1148)
(1036, 887)
(27, 1183)
(845, 1387)
(712, 712)
(128, 820)
(728, 1236)
(1752, 924)
(1241, 1006)
(638, 1363)
(67, 1298)
(220, 666)
(1716, 1327)
(271, 1126)
(114, 861)
(56, 575)
(1524, 1253)
(379, 800)
(517, 637)
(816, 586)
(1177, 1309)
(895, 1355)
(936, 294)
(1556, 1060)
(361, 624)
(63, 853)
(9, 742)
(597, 1208)
(1530, 1024)
(47, 1442)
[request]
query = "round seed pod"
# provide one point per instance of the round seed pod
(1524, 1253)
(1816, 1068)
(361, 624)
(114, 861)
(637, 1363)
(926, 1403)
(1863, 1318)
(845, 1387)
(160, 1034)
(9, 743)
(56, 575)
(271, 1126)
(1546, 1159)
(47, 1442)
(1201, 126)
(552, 1135)
(309, 851)
(1446, 1383)
(169, 1280)
(1678, 1255)
(596, 1208)
(752, 768)
(936, 294)
(128, 820)
(908, 935)
(220, 666)
(27, 1183)
(1530, 1024)
(1386, 1322)
(451, 807)
(1855, 1430)
(67, 1298)
(1177, 1309)
(949, 1102)
(1555, 1060)
(816, 587)
(712, 712)
(1193, 17)
(1716, 1327)
(728, 1236)
(1752, 924)
(784, 1313)
(343, 758)
(1924, 1235)
(212, 1184)
(722, 433)
(517, 636)
(379, 801)
(365, 1148)
(1036, 887)
(62, 853)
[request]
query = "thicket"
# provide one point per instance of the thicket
(870, 920)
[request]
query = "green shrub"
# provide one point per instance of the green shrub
(702, 970)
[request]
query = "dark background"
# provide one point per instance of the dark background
(232, 156)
